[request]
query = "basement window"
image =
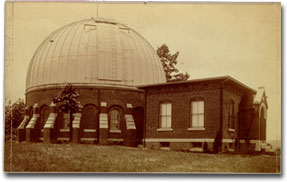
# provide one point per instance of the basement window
(164, 145)
(196, 144)
(196, 147)
(231, 147)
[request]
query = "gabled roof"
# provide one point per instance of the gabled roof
(223, 78)
(260, 96)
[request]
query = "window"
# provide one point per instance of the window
(231, 147)
(115, 120)
(231, 115)
(165, 115)
(196, 144)
(197, 114)
(66, 121)
(196, 147)
(164, 144)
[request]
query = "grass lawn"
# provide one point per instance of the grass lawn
(39, 157)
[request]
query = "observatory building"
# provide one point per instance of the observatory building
(126, 100)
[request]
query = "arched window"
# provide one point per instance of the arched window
(115, 120)
(231, 115)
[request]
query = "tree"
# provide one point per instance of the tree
(168, 62)
(67, 100)
(14, 115)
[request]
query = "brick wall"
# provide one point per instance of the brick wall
(114, 97)
(90, 96)
(180, 96)
(229, 96)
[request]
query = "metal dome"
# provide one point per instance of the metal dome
(94, 52)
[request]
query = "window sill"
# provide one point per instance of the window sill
(196, 149)
(164, 148)
(65, 130)
(90, 130)
(115, 131)
(195, 129)
(230, 129)
(164, 129)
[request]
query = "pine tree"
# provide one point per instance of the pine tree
(67, 100)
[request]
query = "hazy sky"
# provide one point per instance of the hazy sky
(240, 40)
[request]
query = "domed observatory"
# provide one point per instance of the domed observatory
(105, 61)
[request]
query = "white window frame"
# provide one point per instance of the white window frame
(65, 122)
(165, 117)
(197, 113)
(118, 129)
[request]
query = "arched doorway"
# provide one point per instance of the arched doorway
(115, 120)
(138, 114)
(44, 114)
(116, 125)
(89, 123)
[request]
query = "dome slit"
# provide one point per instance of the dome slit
(95, 73)
(123, 57)
(114, 65)
(92, 55)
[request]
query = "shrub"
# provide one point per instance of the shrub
(14, 114)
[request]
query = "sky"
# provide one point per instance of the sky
(237, 39)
